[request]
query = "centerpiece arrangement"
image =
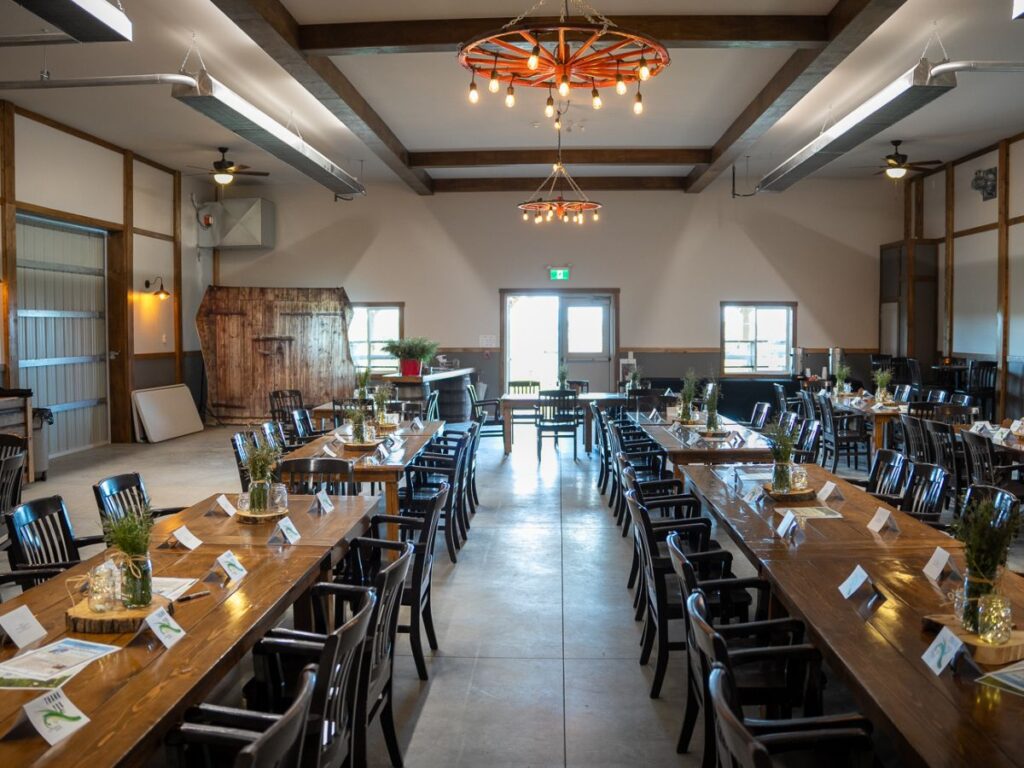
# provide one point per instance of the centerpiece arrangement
(986, 533)
(713, 423)
(687, 395)
(383, 395)
(563, 377)
(882, 378)
(362, 439)
(362, 389)
(842, 376)
(789, 481)
(260, 461)
(128, 536)
(412, 353)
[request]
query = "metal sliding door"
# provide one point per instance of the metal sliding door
(62, 328)
(585, 330)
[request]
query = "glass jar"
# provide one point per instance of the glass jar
(279, 497)
(782, 477)
(995, 619)
(798, 477)
(137, 581)
(259, 496)
(103, 587)
(975, 587)
(713, 422)
(370, 433)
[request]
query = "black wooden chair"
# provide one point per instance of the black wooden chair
(422, 532)
(240, 444)
(740, 742)
(947, 453)
(784, 403)
(493, 425)
(525, 414)
(960, 398)
(274, 434)
(442, 464)
(309, 476)
(342, 616)
(1005, 503)
(579, 386)
(916, 445)
(887, 478)
(302, 423)
(902, 393)
(950, 413)
(42, 538)
(433, 409)
(841, 435)
(256, 739)
(759, 416)
(936, 396)
(925, 494)
(13, 445)
(557, 417)
(808, 442)
(120, 494)
(788, 422)
(283, 402)
(983, 467)
(12, 476)
(981, 384)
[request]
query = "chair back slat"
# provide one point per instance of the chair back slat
(12, 476)
(118, 495)
(523, 387)
(925, 495)
(557, 406)
(41, 533)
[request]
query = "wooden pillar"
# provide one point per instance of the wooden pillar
(911, 219)
(1003, 276)
(950, 240)
(179, 373)
(8, 244)
(120, 318)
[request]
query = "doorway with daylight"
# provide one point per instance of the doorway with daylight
(543, 330)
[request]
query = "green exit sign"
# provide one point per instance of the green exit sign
(558, 273)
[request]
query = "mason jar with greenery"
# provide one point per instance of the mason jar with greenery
(711, 404)
(412, 353)
(687, 395)
(780, 443)
(358, 418)
(260, 462)
(986, 534)
(563, 377)
(128, 535)
(383, 395)
(882, 378)
(633, 381)
(842, 375)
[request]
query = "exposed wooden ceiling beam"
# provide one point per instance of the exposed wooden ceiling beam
(588, 183)
(273, 28)
(435, 35)
(483, 157)
(849, 23)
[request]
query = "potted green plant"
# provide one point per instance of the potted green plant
(563, 376)
(687, 395)
(781, 444)
(634, 381)
(260, 461)
(412, 353)
(383, 395)
(842, 374)
(362, 384)
(358, 418)
(882, 378)
(986, 534)
(128, 535)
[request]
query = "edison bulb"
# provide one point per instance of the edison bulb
(534, 61)
(638, 105)
(474, 94)
(538, 219)
(549, 108)
(643, 70)
(563, 87)
(551, 214)
(510, 97)
(597, 216)
(526, 216)
(493, 85)
(596, 96)
(620, 85)
(558, 123)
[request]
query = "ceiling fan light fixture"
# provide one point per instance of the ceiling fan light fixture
(896, 172)
(223, 178)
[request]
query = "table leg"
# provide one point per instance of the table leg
(879, 433)
(391, 507)
(506, 414)
(588, 430)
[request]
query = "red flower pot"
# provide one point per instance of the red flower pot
(411, 367)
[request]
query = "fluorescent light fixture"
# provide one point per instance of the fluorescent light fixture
(224, 106)
(88, 21)
(905, 95)
(1018, 9)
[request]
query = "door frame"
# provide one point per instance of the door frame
(504, 293)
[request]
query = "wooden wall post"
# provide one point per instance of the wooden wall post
(8, 231)
(950, 240)
(1003, 277)
(179, 372)
(120, 318)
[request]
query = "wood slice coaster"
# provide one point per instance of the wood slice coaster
(386, 429)
(249, 518)
(805, 495)
(982, 652)
(352, 446)
(717, 433)
(80, 619)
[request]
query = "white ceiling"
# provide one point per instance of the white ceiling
(423, 96)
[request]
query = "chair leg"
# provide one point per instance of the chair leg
(387, 724)
(449, 535)
(476, 495)
(710, 758)
(416, 641)
(662, 661)
(689, 719)
(634, 569)
(428, 624)
(647, 640)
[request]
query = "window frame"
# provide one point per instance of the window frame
(400, 306)
(790, 305)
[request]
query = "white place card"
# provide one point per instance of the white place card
(227, 506)
(878, 407)
(654, 417)
(231, 566)
(22, 626)
(942, 651)
(752, 495)
(788, 521)
(186, 538)
(380, 455)
(417, 424)
(826, 490)
(980, 427)
(288, 530)
(883, 519)
(938, 564)
(1017, 425)
(166, 629)
(54, 716)
(396, 442)
(1001, 434)
(326, 505)
(857, 579)
(329, 452)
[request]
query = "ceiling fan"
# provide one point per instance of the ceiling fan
(225, 170)
(896, 165)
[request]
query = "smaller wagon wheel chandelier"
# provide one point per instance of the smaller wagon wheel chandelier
(590, 52)
(549, 201)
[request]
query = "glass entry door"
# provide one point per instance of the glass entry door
(546, 331)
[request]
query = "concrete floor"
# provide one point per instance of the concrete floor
(538, 660)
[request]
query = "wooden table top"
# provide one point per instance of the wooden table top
(743, 445)
(426, 378)
(365, 468)
(134, 696)
(586, 397)
(936, 721)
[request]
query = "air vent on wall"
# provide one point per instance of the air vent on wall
(239, 223)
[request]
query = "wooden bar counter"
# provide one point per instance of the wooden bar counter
(453, 396)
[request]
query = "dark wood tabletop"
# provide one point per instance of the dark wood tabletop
(743, 445)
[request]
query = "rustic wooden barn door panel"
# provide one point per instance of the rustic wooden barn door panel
(285, 338)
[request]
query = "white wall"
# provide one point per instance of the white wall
(196, 263)
(154, 318)
(674, 256)
(153, 198)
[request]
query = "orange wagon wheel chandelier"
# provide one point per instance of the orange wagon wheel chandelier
(590, 52)
(549, 201)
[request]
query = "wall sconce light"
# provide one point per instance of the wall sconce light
(162, 293)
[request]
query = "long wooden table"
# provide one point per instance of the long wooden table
(743, 445)
(512, 402)
(134, 696)
(934, 721)
(388, 472)
(880, 418)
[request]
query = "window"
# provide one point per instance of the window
(757, 338)
(371, 326)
